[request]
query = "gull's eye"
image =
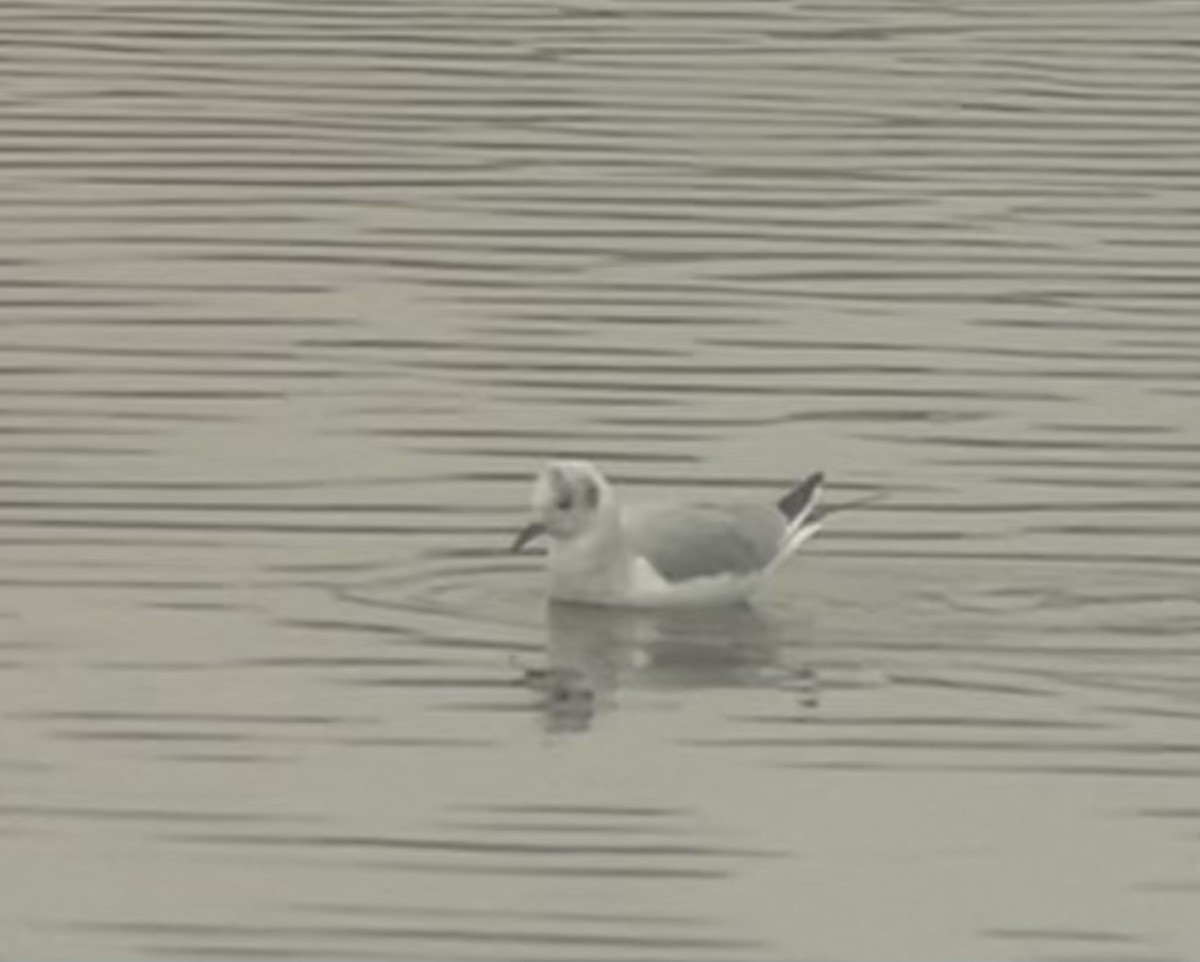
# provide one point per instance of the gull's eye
(563, 501)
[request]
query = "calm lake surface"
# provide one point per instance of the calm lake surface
(296, 295)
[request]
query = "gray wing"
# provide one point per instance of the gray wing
(699, 540)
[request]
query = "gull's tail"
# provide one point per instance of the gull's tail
(799, 506)
(803, 515)
(799, 502)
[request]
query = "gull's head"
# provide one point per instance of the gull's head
(568, 497)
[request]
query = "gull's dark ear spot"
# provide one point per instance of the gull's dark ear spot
(591, 493)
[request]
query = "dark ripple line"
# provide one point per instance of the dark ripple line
(335, 507)
(61, 431)
(1031, 507)
(135, 584)
(559, 828)
(223, 373)
(1101, 443)
(156, 394)
(931, 721)
(205, 718)
(422, 933)
(1058, 935)
(541, 914)
(1092, 771)
(459, 846)
(148, 735)
(480, 342)
(1046, 463)
(139, 815)
(548, 434)
(92, 414)
(568, 387)
(910, 743)
(493, 531)
(76, 449)
(621, 811)
(621, 455)
(572, 871)
(183, 353)
(288, 484)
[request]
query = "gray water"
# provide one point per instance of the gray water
(296, 295)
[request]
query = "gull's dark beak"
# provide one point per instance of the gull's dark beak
(532, 530)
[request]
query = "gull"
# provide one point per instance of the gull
(602, 552)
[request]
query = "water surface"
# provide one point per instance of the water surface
(295, 297)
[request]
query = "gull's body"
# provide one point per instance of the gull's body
(602, 552)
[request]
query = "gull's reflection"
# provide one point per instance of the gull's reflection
(594, 652)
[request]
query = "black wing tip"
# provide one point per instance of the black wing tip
(800, 497)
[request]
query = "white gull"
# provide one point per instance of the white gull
(602, 552)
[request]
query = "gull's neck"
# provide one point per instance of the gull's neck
(596, 563)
